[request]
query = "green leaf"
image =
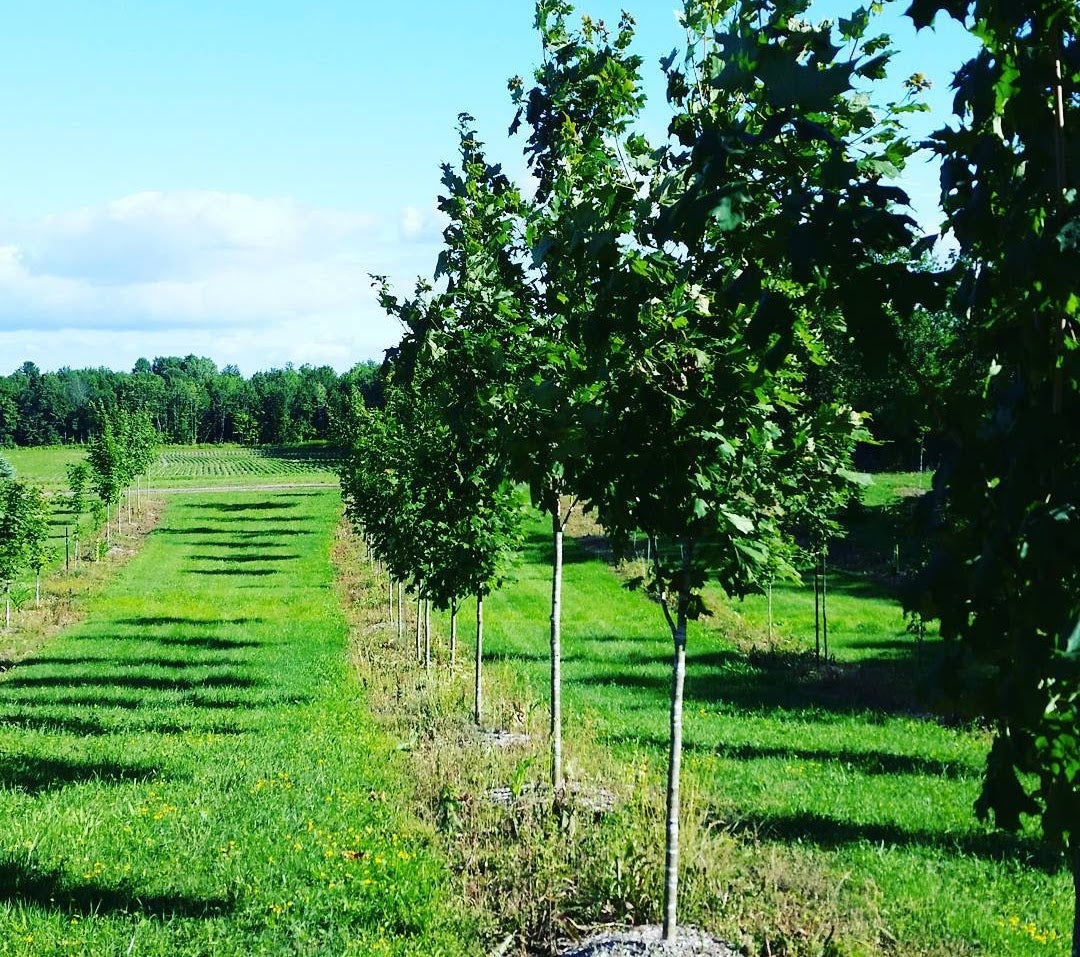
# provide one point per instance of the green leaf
(739, 522)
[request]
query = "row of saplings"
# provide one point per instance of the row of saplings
(655, 330)
(122, 451)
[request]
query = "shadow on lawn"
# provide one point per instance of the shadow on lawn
(88, 727)
(865, 762)
(769, 680)
(241, 506)
(153, 621)
(241, 559)
(178, 664)
(55, 891)
(246, 572)
(264, 532)
(129, 682)
(33, 775)
(830, 832)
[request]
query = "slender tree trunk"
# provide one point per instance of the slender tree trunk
(427, 633)
(453, 633)
(108, 523)
(7, 610)
(556, 650)
(37, 587)
(817, 615)
(678, 681)
(824, 609)
(400, 612)
(389, 597)
(770, 611)
(419, 600)
(478, 703)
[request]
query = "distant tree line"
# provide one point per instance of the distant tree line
(187, 400)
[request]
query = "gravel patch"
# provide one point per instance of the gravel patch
(646, 941)
(596, 799)
(504, 739)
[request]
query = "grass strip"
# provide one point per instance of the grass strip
(189, 772)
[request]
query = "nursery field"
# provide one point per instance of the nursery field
(194, 769)
(190, 771)
(834, 814)
(185, 466)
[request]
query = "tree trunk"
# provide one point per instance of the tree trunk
(108, 523)
(7, 610)
(400, 612)
(427, 633)
(453, 633)
(817, 616)
(37, 587)
(389, 597)
(824, 611)
(419, 656)
(770, 612)
(478, 697)
(678, 681)
(556, 650)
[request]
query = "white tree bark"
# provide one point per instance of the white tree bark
(556, 651)
(427, 633)
(678, 682)
(478, 708)
(453, 633)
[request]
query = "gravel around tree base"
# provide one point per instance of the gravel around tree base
(646, 940)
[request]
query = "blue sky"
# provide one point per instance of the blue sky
(221, 178)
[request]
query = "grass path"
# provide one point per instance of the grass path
(190, 771)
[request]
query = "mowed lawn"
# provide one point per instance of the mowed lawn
(851, 813)
(186, 466)
(191, 771)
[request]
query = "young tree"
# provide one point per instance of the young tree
(35, 534)
(7, 471)
(1005, 580)
(763, 227)
(24, 534)
(586, 95)
(78, 476)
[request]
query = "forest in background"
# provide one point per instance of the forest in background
(188, 400)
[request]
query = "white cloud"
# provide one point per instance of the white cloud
(422, 225)
(243, 279)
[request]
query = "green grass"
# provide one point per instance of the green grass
(191, 772)
(45, 466)
(887, 488)
(180, 466)
(851, 813)
(183, 466)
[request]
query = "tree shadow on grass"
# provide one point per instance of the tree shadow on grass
(242, 506)
(34, 775)
(241, 559)
(86, 727)
(891, 685)
(217, 644)
(151, 621)
(870, 761)
(136, 682)
(247, 572)
(829, 832)
(54, 890)
(174, 664)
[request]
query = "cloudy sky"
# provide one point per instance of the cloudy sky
(222, 178)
